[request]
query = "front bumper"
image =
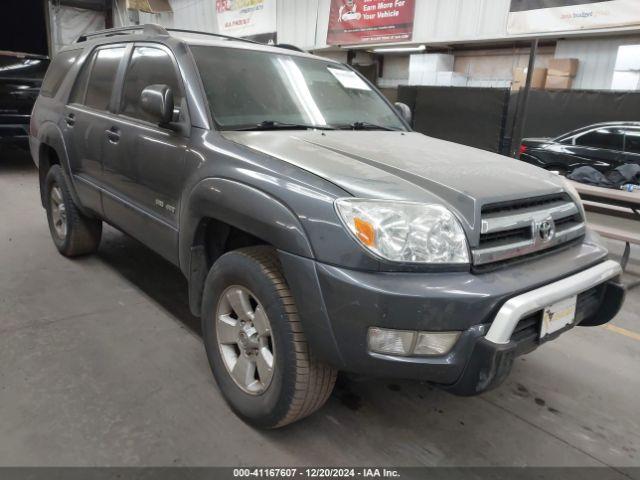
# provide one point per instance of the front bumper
(492, 356)
(337, 307)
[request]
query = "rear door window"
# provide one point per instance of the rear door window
(103, 77)
(606, 138)
(632, 140)
(148, 66)
(57, 72)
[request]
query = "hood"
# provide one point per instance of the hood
(405, 166)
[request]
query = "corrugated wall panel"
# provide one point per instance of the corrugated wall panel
(297, 22)
(442, 21)
(324, 6)
(597, 59)
(296, 19)
(304, 22)
(187, 14)
(451, 21)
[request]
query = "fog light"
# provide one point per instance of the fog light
(391, 342)
(435, 343)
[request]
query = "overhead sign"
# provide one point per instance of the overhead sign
(540, 16)
(370, 21)
(246, 18)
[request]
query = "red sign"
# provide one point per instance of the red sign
(370, 21)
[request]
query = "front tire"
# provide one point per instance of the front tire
(72, 232)
(256, 348)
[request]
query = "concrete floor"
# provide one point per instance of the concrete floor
(101, 363)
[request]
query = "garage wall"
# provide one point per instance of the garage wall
(187, 14)
(460, 20)
(296, 22)
(453, 21)
(395, 71)
(443, 21)
(305, 22)
(68, 23)
(597, 59)
(495, 67)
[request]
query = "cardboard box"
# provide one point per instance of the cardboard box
(563, 67)
(558, 83)
(520, 78)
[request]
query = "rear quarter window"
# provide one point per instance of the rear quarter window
(57, 72)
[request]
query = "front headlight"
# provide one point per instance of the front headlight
(404, 231)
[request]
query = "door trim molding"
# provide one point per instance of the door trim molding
(126, 202)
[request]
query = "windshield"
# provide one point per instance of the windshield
(247, 88)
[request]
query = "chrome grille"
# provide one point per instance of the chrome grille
(522, 227)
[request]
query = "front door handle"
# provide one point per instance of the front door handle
(113, 134)
(70, 119)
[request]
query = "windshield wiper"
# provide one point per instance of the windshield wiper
(368, 126)
(273, 125)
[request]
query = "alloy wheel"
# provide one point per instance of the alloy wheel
(244, 339)
(58, 212)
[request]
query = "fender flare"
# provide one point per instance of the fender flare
(50, 134)
(243, 207)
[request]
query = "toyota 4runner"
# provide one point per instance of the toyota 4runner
(317, 231)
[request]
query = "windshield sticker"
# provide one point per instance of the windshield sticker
(349, 79)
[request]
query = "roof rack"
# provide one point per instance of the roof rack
(148, 29)
(154, 29)
(288, 46)
(219, 35)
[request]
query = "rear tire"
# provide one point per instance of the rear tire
(250, 281)
(72, 232)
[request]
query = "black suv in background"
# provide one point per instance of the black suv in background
(317, 231)
(603, 146)
(20, 81)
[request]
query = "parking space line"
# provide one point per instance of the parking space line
(623, 331)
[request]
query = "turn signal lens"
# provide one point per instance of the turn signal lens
(435, 343)
(365, 232)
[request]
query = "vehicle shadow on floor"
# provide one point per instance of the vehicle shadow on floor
(150, 273)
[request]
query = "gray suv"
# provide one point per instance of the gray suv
(317, 231)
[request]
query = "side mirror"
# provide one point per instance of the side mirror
(404, 111)
(157, 101)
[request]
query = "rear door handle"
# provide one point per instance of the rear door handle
(70, 119)
(113, 134)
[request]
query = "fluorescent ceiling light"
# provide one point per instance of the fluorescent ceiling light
(419, 48)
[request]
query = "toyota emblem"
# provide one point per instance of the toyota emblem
(547, 230)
